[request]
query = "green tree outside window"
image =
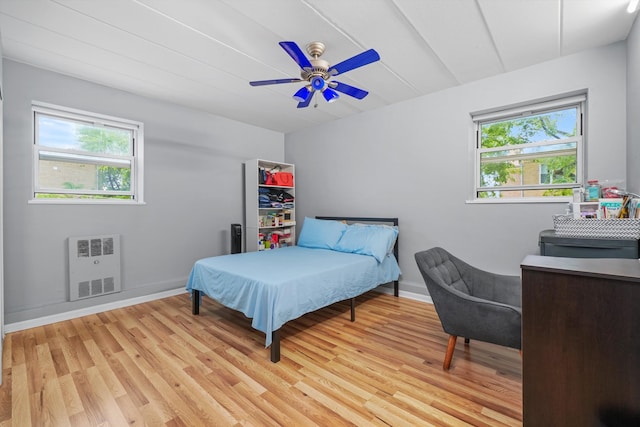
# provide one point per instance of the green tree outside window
(515, 134)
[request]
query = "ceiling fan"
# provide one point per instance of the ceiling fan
(317, 73)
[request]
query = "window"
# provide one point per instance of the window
(532, 152)
(80, 156)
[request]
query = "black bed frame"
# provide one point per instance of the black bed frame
(275, 335)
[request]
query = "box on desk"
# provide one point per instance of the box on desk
(585, 209)
(609, 208)
(604, 209)
(612, 228)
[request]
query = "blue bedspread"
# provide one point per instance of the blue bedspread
(273, 287)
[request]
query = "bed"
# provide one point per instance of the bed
(336, 259)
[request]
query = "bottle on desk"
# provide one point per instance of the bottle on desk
(592, 192)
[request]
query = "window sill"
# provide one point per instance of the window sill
(83, 202)
(563, 200)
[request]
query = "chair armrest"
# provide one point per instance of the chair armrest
(475, 318)
(496, 287)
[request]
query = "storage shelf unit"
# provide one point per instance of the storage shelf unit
(273, 226)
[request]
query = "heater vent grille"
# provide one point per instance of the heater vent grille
(94, 266)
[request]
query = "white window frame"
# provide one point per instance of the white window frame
(136, 159)
(525, 110)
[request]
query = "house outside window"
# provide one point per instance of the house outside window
(84, 157)
(532, 152)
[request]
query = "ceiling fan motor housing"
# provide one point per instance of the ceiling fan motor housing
(320, 69)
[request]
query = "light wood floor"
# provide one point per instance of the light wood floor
(156, 364)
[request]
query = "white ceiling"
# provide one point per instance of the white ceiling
(203, 53)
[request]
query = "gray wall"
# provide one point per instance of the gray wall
(193, 192)
(411, 160)
(633, 108)
(1, 217)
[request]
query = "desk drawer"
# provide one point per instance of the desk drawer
(584, 247)
(550, 249)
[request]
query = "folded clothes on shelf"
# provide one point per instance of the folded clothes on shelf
(267, 197)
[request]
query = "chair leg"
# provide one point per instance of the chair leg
(450, 347)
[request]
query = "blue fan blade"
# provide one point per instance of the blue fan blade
(296, 53)
(306, 103)
(366, 57)
(348, 90)
(274, 82)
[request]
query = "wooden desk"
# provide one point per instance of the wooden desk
(581, 341)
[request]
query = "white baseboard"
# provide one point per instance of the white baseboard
(405, 294)
(46, 320)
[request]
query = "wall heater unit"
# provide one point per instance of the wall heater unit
(94, 266)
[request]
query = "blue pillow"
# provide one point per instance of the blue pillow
(373, 240)
(320, 233)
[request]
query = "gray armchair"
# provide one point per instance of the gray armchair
(470, 302)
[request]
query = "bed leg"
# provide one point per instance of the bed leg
(395, 288)
(195, 302)
(275, 346)
(353, 309)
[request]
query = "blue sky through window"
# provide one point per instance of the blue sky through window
(57, 133)
(566, 122)
(67, 134)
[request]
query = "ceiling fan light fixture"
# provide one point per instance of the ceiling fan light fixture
(330, 95)
(302, 94)
(317, 83)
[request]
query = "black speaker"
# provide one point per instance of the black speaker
(236, 238)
